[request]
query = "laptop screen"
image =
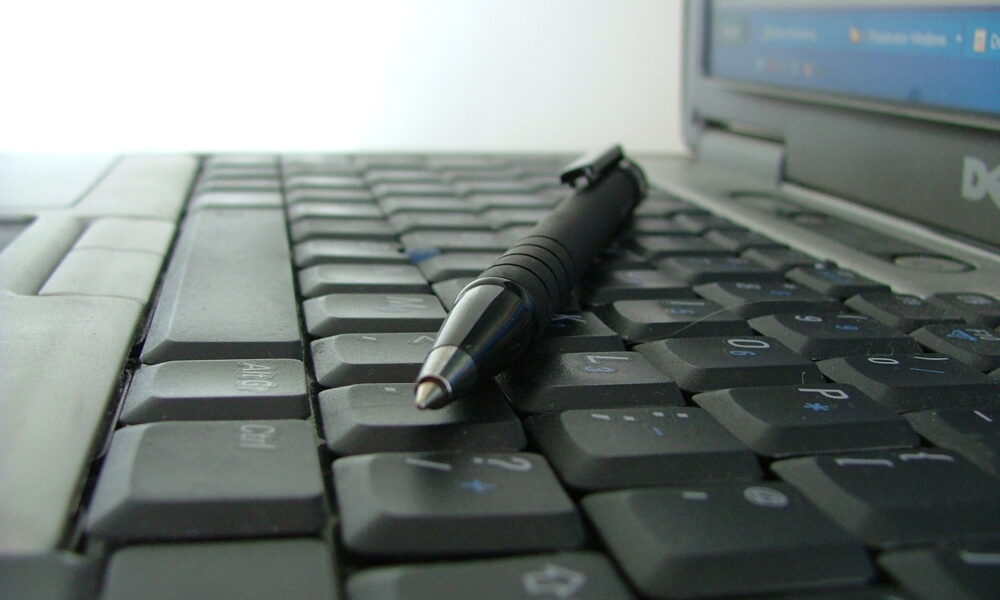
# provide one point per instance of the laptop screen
(938, 56)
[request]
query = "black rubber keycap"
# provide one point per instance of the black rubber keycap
(577, 332)
(707, 269)
(286, 568)
(563, 576)
(646, 320)
(701, 364)
(977, 347)
(209, 479)
(587, 380)
(610, 285)
(900, 311)
(806, 419)
(205, 390)
(973, 433)
(655, 247)
(977, 309)
(372, 313)
(361, 279)
(379, 417)
(755, 298)
(734, 539)
(960, 570)
(835, 282)
(452, 504)
(370, 358)
(892, 498)
(825, 335)
(907, 382)
(613, 449)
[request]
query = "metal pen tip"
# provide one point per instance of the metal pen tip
(430, 394)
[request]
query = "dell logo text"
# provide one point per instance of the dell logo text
(978, 181)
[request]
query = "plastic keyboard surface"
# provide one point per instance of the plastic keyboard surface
(715, 414)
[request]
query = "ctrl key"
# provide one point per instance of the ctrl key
(209, 479)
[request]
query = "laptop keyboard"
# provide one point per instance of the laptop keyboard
(714, 415)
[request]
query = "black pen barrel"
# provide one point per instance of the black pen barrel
(550, 260)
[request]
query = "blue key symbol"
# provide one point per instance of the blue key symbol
(477, 486)
(817, 406)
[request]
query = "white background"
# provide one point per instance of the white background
(365, 74)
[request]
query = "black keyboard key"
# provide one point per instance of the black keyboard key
(432, 189)
(977, 347)
(977, 309)
(654, 247)
(448, 290)
(452, 504)
(645, 320)
(826, 335)
(454, 241)
(808, 419)
(562, 576)
(700, 223)
(706, 269)
(331, 210)
(734, 539)
(973, 433)
(372, 313)
(395, 204)
(361, 279)
(577, 332)
(408, 222)
(370, 358)
(779, 259)
(287, 568)
(835, 282)
(320, 251)
(609, 285)
(209, 390)
(357, 229)
(738, 241)
(379, 417)
(228, 292)
(909, 382)
(900, 311)
(755, 298)
(893, 498)
(456, 264)
(209, 479)
(960, 570)
(701, 364)
(595, 450)
(55, 575)
(547, 383)
(652, 226)
(329, 196)
(331, 182)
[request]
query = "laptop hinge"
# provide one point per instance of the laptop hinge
(755, 156)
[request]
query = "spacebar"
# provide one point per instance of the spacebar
(228, 292)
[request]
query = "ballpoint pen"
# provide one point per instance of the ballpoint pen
(499, 315)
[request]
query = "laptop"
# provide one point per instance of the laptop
(782, 380)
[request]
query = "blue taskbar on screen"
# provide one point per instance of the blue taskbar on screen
(933, 56)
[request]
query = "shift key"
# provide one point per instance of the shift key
(228, 292)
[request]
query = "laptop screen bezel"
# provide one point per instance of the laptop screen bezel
(824, 135)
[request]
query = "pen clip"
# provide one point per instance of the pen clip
(588, 169)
